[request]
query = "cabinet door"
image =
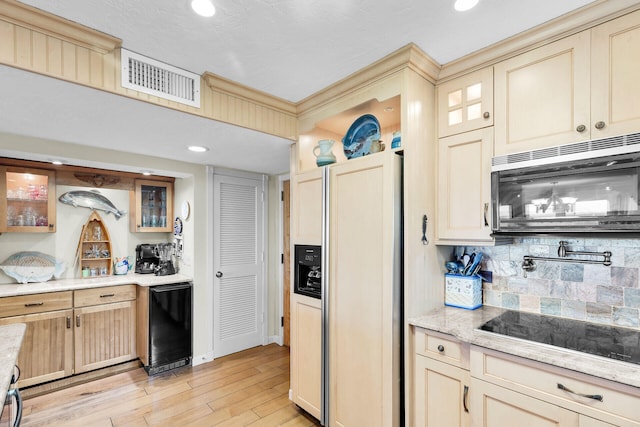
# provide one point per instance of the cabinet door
(27, 200)
(441, 394)
(306, 205)
(592, 422)
(542, 96)
(465, 103)
(306, 353)
(153, 201)
(464, 186)
(104, 335)
(615, 86)
(363, 285)
(494, 406)
(47, 347)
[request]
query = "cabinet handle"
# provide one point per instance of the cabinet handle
(588, 396)
(486, 115)
(51, 226)
(68, 322)
(34, 304)
(465, 395)
(486, 210)
(107, 295)
(441, 348)
(600, 125)
(581, 128)
(78, 320)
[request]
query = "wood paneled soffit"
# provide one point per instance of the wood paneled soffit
(37, 20)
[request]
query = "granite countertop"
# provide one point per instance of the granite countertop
(10, 342)
(13, 289)
(463, 325)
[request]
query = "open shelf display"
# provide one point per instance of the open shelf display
(387, 112)
(95, 248)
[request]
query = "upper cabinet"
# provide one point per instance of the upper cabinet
(27, 200)
(465, 103)
(152, 205)
(579, 88)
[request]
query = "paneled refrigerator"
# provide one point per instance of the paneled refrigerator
(361, 303)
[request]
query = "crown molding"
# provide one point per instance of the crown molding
(52, 25)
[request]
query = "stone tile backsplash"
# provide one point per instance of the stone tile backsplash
(591, 292)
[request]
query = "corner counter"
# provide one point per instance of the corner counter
(10, 341)
(145, 280)
(463, 325)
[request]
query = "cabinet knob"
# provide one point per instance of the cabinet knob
(486, 115)
(441, 348)
(600, 125)
(581, 128)
(219, 274)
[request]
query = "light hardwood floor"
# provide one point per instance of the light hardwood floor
(249, 388)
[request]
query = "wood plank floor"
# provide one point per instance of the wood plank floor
(249, 388)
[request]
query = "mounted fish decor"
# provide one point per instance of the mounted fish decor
(92, 200)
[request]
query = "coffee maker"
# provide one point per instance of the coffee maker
(156, 258)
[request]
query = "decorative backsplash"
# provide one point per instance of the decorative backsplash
(592, 292)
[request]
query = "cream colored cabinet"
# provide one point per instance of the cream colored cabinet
(579, 88)
(306, 353)
(27, 200)
(152, 204)
(464, 188)
(465, 103)
(306, 205)
(47, 347)
(441, 381)
(542, 96)
(105, 327)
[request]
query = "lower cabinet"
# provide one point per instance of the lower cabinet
(62, 340)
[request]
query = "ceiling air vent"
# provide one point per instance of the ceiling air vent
(156, 78)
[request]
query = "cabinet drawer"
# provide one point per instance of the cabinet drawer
(552, 384)
(109, 294)
(35, 303)
(442, 347)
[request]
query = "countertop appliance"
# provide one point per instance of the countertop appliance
(601, 340)
(170, 318)
(11, 415)
(308, 273)
(155, 258)
(584, 195)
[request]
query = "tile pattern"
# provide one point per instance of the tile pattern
(592, 292)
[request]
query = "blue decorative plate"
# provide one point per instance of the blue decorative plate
(357, 141)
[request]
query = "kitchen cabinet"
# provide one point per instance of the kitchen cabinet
(578, 88)
(152, 204)
(306, 205)
(441, 381)
(306, 353)
(105, 327)
(465, 103)
(464, 188)
(27, 200)
(47, 348)
(72, 331)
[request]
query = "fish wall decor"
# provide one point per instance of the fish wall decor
(92, 200)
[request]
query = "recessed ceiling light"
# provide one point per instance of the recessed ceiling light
(203, 7)
(197, 149)
(146, 173)
(56, 162)
(464, 5)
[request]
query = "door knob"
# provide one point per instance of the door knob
(219, 274)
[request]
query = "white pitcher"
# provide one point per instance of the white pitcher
(323, 153)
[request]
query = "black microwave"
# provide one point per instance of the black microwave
(591, 195)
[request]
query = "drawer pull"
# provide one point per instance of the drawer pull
(78, 320)
(465, 394)
(441, 348)
(68, 322)
(107, 295)
(34, 304)
(588, 396)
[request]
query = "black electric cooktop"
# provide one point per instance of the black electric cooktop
(602, 340)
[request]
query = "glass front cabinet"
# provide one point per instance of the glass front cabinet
(153, 207)
(27, 200)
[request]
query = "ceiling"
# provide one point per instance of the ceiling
(287, 48)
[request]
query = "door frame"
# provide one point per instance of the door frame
(265, 231)
(279, 339)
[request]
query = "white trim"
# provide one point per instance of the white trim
(203, 358)
(209, 264)
(279, 231)
(276, 339)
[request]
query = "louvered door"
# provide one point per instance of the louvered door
(238, 264)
